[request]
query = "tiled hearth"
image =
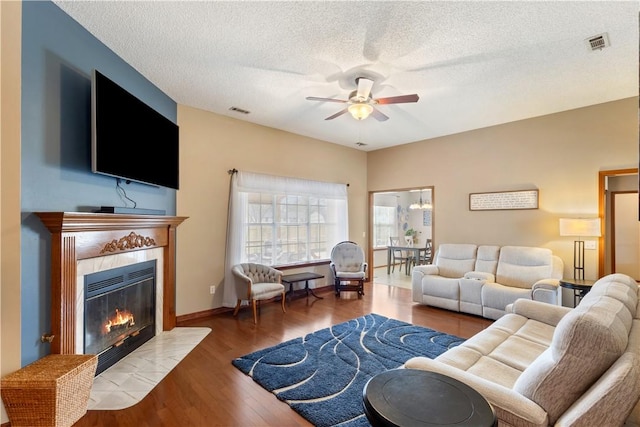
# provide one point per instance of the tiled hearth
(133, 377)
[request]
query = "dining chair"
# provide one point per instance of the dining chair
(425, 256)
(398, 254)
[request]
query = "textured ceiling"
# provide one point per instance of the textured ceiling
(473, 64)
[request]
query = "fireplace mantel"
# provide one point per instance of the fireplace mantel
(82, 235)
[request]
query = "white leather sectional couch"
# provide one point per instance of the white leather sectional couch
(483, 279)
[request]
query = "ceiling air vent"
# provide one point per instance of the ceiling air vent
(238, 110)
(598, 42)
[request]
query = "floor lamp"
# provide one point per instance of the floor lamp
(579, 227)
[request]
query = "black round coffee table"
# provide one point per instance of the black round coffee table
(412, 397)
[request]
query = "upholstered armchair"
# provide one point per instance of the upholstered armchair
(257, 282)
(348, 267)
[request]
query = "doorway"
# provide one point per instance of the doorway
(611, 184)
(398, 212)
(625, 232)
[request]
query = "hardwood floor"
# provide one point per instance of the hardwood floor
(205, 389)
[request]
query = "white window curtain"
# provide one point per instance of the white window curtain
(245, 185)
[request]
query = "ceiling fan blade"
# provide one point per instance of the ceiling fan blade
(338, 114)
(379, 116)
(315, 98)
(398, 99)
(364, 88)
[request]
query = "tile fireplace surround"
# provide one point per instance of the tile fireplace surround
(79, 239)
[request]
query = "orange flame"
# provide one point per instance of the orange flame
(119, 319)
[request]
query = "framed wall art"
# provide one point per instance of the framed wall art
(503, 200)
(426, 217)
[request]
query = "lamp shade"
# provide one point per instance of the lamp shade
(580, 227)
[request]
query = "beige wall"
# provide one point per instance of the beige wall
(559, 154)
(210, 145)
(10, 37)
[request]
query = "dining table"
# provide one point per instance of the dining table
(417, 250)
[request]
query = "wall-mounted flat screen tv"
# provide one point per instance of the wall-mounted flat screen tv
(131, 140)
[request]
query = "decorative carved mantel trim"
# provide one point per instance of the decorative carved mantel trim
(130, 241)
(83, 235)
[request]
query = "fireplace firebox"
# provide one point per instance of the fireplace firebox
(119, 314)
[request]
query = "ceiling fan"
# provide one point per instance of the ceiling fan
(361, 103)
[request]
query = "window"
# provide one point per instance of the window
(286, 221)
(287, 229)
(384, 224)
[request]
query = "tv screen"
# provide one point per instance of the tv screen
(131, 140)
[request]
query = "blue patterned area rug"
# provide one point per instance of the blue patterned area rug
(322, 375)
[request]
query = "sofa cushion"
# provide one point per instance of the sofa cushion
(521, 266)
(455, 259)
(585, 344)
(502, 352)
(487, 259)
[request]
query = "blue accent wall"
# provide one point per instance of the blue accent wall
(58, 56)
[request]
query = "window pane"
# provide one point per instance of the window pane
(384, 224)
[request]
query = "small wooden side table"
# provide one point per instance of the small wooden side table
(580, 288)
(290, 279)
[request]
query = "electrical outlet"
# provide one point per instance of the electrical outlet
(589, 244)
(212, 289)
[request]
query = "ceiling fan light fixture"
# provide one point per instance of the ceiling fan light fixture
(360, 111)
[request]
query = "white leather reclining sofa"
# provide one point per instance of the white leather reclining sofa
(483, 279)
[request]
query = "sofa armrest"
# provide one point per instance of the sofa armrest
(427, 269)
(540, 311)
(550, 284)
(546, 290)
(479, 275)
(508, 404)
(417, 274)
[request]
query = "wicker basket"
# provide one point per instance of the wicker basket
(53, 391)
